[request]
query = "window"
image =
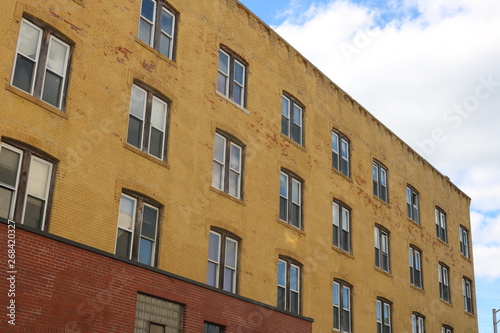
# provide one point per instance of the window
(222, 260)
(290, 199)
(412, 204)
(157, 315)
(137, 233)
(291, 119)
(441, 225)
(213, 328)
(227, 165)
(341, 226)
(467, 291)
(381, 248)
(383, 316)
(147, 122)
(26, 181)
(41, 65)
(341, 307)
(289, 285)
(379, 173)
(416, 267)
(157, 26)
(231, 77)
(444, 283)
(417, 323)
(464, 241)
(340, 153)
(446, 329)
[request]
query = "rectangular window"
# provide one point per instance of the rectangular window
(341, 307)
(231, 77)
(157, 315)
(464, 241)
(417, 323)
(340, 153)
(412, 204)
(213, 328)
(444, 283)
(41, 65)
(341, 226)
(290, 200)
(379, 174)
(291, 119)
(441, 225)
(384, 324)
(25, 185)
(288, 285)
(381, 248)
(137, 230)
(157, 26)
(227, 165)
(446, 329)
(416, 268)
(147, 125)
(222, 261)
(467, 291)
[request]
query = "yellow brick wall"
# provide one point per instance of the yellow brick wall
(95, 162)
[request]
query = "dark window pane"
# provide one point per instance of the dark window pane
(345, 167)
(134, 132)
(377, 257)
(283, 209)
(335, 160)
(294, 303)
(33, 215)
(346, 324)
(336, 318)
(150, 216)
(345, 241)
(281, 298)
(9, 163)
(123, 244)
(296, 133)
(375, 188)
(285, 123)
(167, 22)
(156, 143)
(295, 218)
(148, 9)
(237, 94)
(5, 202)
(23, 74)
(52, 89)
(165, 45)
(335, 235)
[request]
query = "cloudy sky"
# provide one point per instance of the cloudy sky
(430, 71)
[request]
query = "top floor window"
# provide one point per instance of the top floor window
(379, 173)
(340, 153)
(441, 225)
(291, 119)
(26, 182)
(464, 241)
(41, 65)
(231, 77)
(412, 204)
(157, 26)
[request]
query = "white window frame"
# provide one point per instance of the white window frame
(464, 241)
(339, 303)
(221, 264)
(289, 198)
(415, 256)
(467, 293)
(225, 165)
(341, 221)
(382, 248)
(340, 153)
(288, 290)
(380, 181)
(156, 28)
(444, 282)
(291, 118)
(441, 225)
(417, 323)
(412, 204)
(383, 315)
(230, 77)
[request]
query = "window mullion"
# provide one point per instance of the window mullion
(22, 186)
(42, 64)
(147, 122)
(231, 77)
(137, 229)
(157, 25)
(227, 160)
(222, 261)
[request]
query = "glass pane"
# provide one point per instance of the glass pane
(219, 148)
(379, 311)
(28, 40)
(295, 218)
(167, 22)
(149, 222)
(234, 184)
(335, 213)
(38, 178)
(345, 149)
(281, 273)
(5, 202)
(137, 102)
(123, 243)
(217, 175)
(345, 219)
(57, 56)
(234, 159)
(126, 214)
(158, 114)
(281, 297)
(165, 42)
(296, 133)
(383, 177)
(23, 74)
(336, 295)
(336, 235)
(52, 88)
(295, 191)
(336, 318)
(148, 9)
(145, 33)
(297, 115)
(294, 302)
(285, 123)
(228, 279)
(375, 173)
(237, 94)
(346, 298)
(134, 134)
(346, 323)
(33, 215)
(146, 251)
(213, 247)
(231, 247)
(345, 241)
(212, 274)
(285, 107)
(156, 143)
(222, 83)
(283, 185)
(9, 163)
(335, 142)
(239, 73)
(283, 209)
(294, 278)
(223, 63)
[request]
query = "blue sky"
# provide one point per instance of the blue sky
(448, 51)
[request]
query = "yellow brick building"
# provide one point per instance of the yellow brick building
(189, 136)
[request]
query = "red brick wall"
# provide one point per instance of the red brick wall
(63, 288)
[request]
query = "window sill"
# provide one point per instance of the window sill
(417, 224)
(232, 102)
(341, 174)
(420, 290)
(227, 195)
(288, 225)
(446, 302)
(382, 201)
(340, 251)
(156, 52)
(293, 142)
(383, 272)
(442, 241)
(473, 315)
(146, 155)
(36, 101)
